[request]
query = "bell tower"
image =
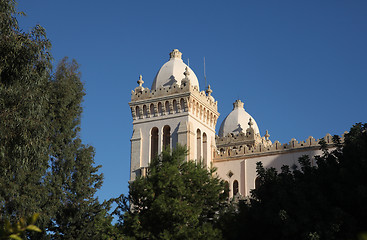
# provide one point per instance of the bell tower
(174, 111)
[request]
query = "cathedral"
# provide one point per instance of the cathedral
(175, 111)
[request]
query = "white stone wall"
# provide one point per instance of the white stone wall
(197, 124)
(142, 158)
(244, 169)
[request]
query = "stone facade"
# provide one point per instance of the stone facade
(177, 112)
(190, 114)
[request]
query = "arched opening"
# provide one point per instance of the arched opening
(166, 137)
(182, 103)
(205, 149)
(160, 110)
(137, 110)
(154, 143)
(226, 188)
(167, 107)
(257, 182)
(175, 110)
(198, 145)
(145, 111)
(152, 113)
(235, 187)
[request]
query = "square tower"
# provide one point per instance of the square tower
(174, 111)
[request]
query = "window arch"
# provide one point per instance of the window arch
(154, 143)
(182, 103)
(257, 182)
(205, 148)
(160, 110)
(145, 111)
(166, 137)
(137, 110)
(175, 108)
(167, 107)
(152, 113)
(226, 188)
(235, 187)
(198, 145)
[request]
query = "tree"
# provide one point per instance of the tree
(177, 199)
(327, 201)
(25, 69)
(73, 174)
(44, 167)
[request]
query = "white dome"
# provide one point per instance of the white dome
(173, 72)
(237, 121)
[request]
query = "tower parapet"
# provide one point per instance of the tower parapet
(146, 103)
(237, 146)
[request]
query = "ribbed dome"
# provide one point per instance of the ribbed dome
(173, 72)
(237, 121)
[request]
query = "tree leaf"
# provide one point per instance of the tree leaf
(15, 236)
(33, 228)
(34, 218)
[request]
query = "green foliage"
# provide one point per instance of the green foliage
(17, 230)
(176, 200)
(327, 201)
(44, 167)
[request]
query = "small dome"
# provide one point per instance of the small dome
(237, 121)
(173, 72)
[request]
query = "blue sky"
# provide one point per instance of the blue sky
(299, 66)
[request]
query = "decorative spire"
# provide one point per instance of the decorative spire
(187, 73)
(175, 54)
(238, 104)
(267, 135)
(209, 91)
(140, 88)
(140, 81)
(186, 79)
(250, 123)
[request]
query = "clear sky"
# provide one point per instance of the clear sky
(300, 67)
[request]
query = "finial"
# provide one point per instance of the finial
(175, 54)
(209, 91)
(140, 88)
(186, 73)
(267, 135)
(140, 81)
(186, 79)
(237, 104)
(250, 123)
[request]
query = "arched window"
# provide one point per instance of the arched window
(160, 110)
(166, 137)
(167, 107)
(226, 188)
(235, 187)
(182, 102)
(198, 145)
(205, 149)
(145, 112)
(257, 183)
(154, 143)
(175, 110)
(152, 113)
(137, 110)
